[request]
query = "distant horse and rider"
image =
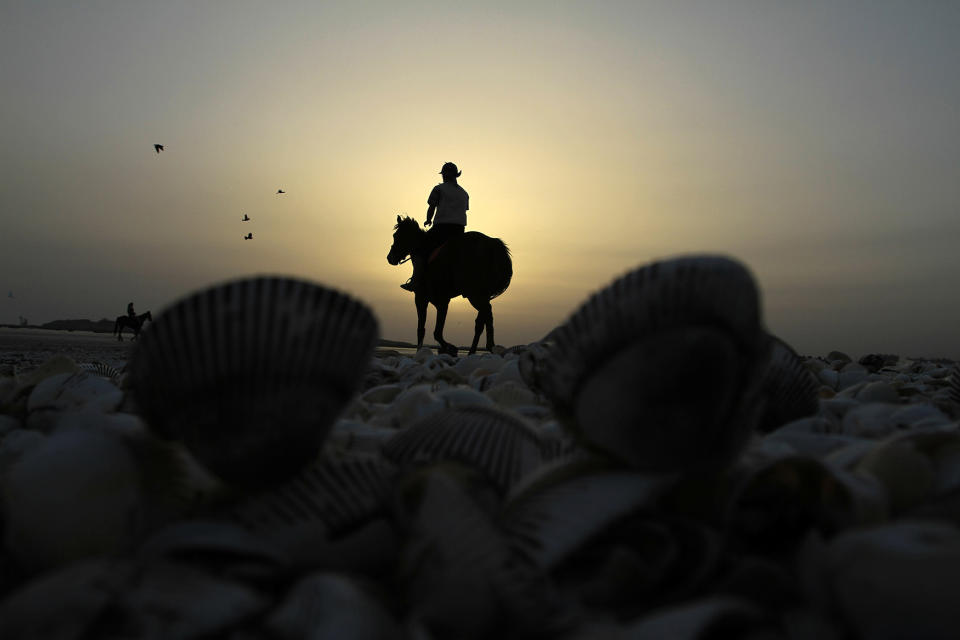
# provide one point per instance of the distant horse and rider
(447, 262)
(130, 321)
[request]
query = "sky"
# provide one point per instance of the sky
(817, 142)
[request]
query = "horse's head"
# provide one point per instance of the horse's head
(407, 236)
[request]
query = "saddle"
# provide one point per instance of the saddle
(436, 252)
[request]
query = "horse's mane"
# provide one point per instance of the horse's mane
(407, 221)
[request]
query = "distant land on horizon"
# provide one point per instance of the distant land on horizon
(106, 326)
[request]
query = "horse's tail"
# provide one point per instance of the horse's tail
(501, 267)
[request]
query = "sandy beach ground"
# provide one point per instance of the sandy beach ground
(29, 348)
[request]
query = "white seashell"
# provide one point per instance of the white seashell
(179, 601)
(329, 606)
(816, 445)
(410, 406)
(511, 394)
(8, 424)
(712, 617)
(779, 501)
(872, 420)
(878, 391)
(829, 378)
(917, 416)
(467, 365)
(498, 443)
(359, 436)
(63, 604)
(64, 392)
(75, 495)
(810, 424)
(837, 407)
(895, 581)
(462, 397)
(14, 445)
(382, 394)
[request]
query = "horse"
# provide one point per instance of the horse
(133, 324)
(471, 265)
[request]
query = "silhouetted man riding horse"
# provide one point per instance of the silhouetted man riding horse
(450, 203)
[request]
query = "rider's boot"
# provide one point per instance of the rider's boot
(411, 284)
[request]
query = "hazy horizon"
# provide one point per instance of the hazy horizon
(818, 143)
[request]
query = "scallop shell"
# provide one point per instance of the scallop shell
(458, 572)
(498, 442)
(563, 504)
(790, 389)
(661, 369)
(103, 370)
(251, 374)
(332, 510)
(330, 606)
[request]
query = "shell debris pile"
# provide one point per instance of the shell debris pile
(659, 466)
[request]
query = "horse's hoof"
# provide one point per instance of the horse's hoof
(450, 350)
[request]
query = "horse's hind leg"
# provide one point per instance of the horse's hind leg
(484, 318)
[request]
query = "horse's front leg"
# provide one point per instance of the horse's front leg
(442, 345)
(421, 302)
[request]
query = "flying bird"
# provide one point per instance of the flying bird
(245, 218)
(280, 191)
(158, 147)
(249, 236)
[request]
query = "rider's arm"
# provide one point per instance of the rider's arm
(430, 211)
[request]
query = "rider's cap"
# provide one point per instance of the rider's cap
(450, 168)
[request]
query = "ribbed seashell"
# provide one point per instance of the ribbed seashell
(532, 362)
(562, 505)
(331, 514)
(330, 606)
(789, 389)
(497, 442)
(75, 495)
(895, 581)
(252, 373)
(781, 500)
(662, 369)
(457, 570)
(103, 370)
